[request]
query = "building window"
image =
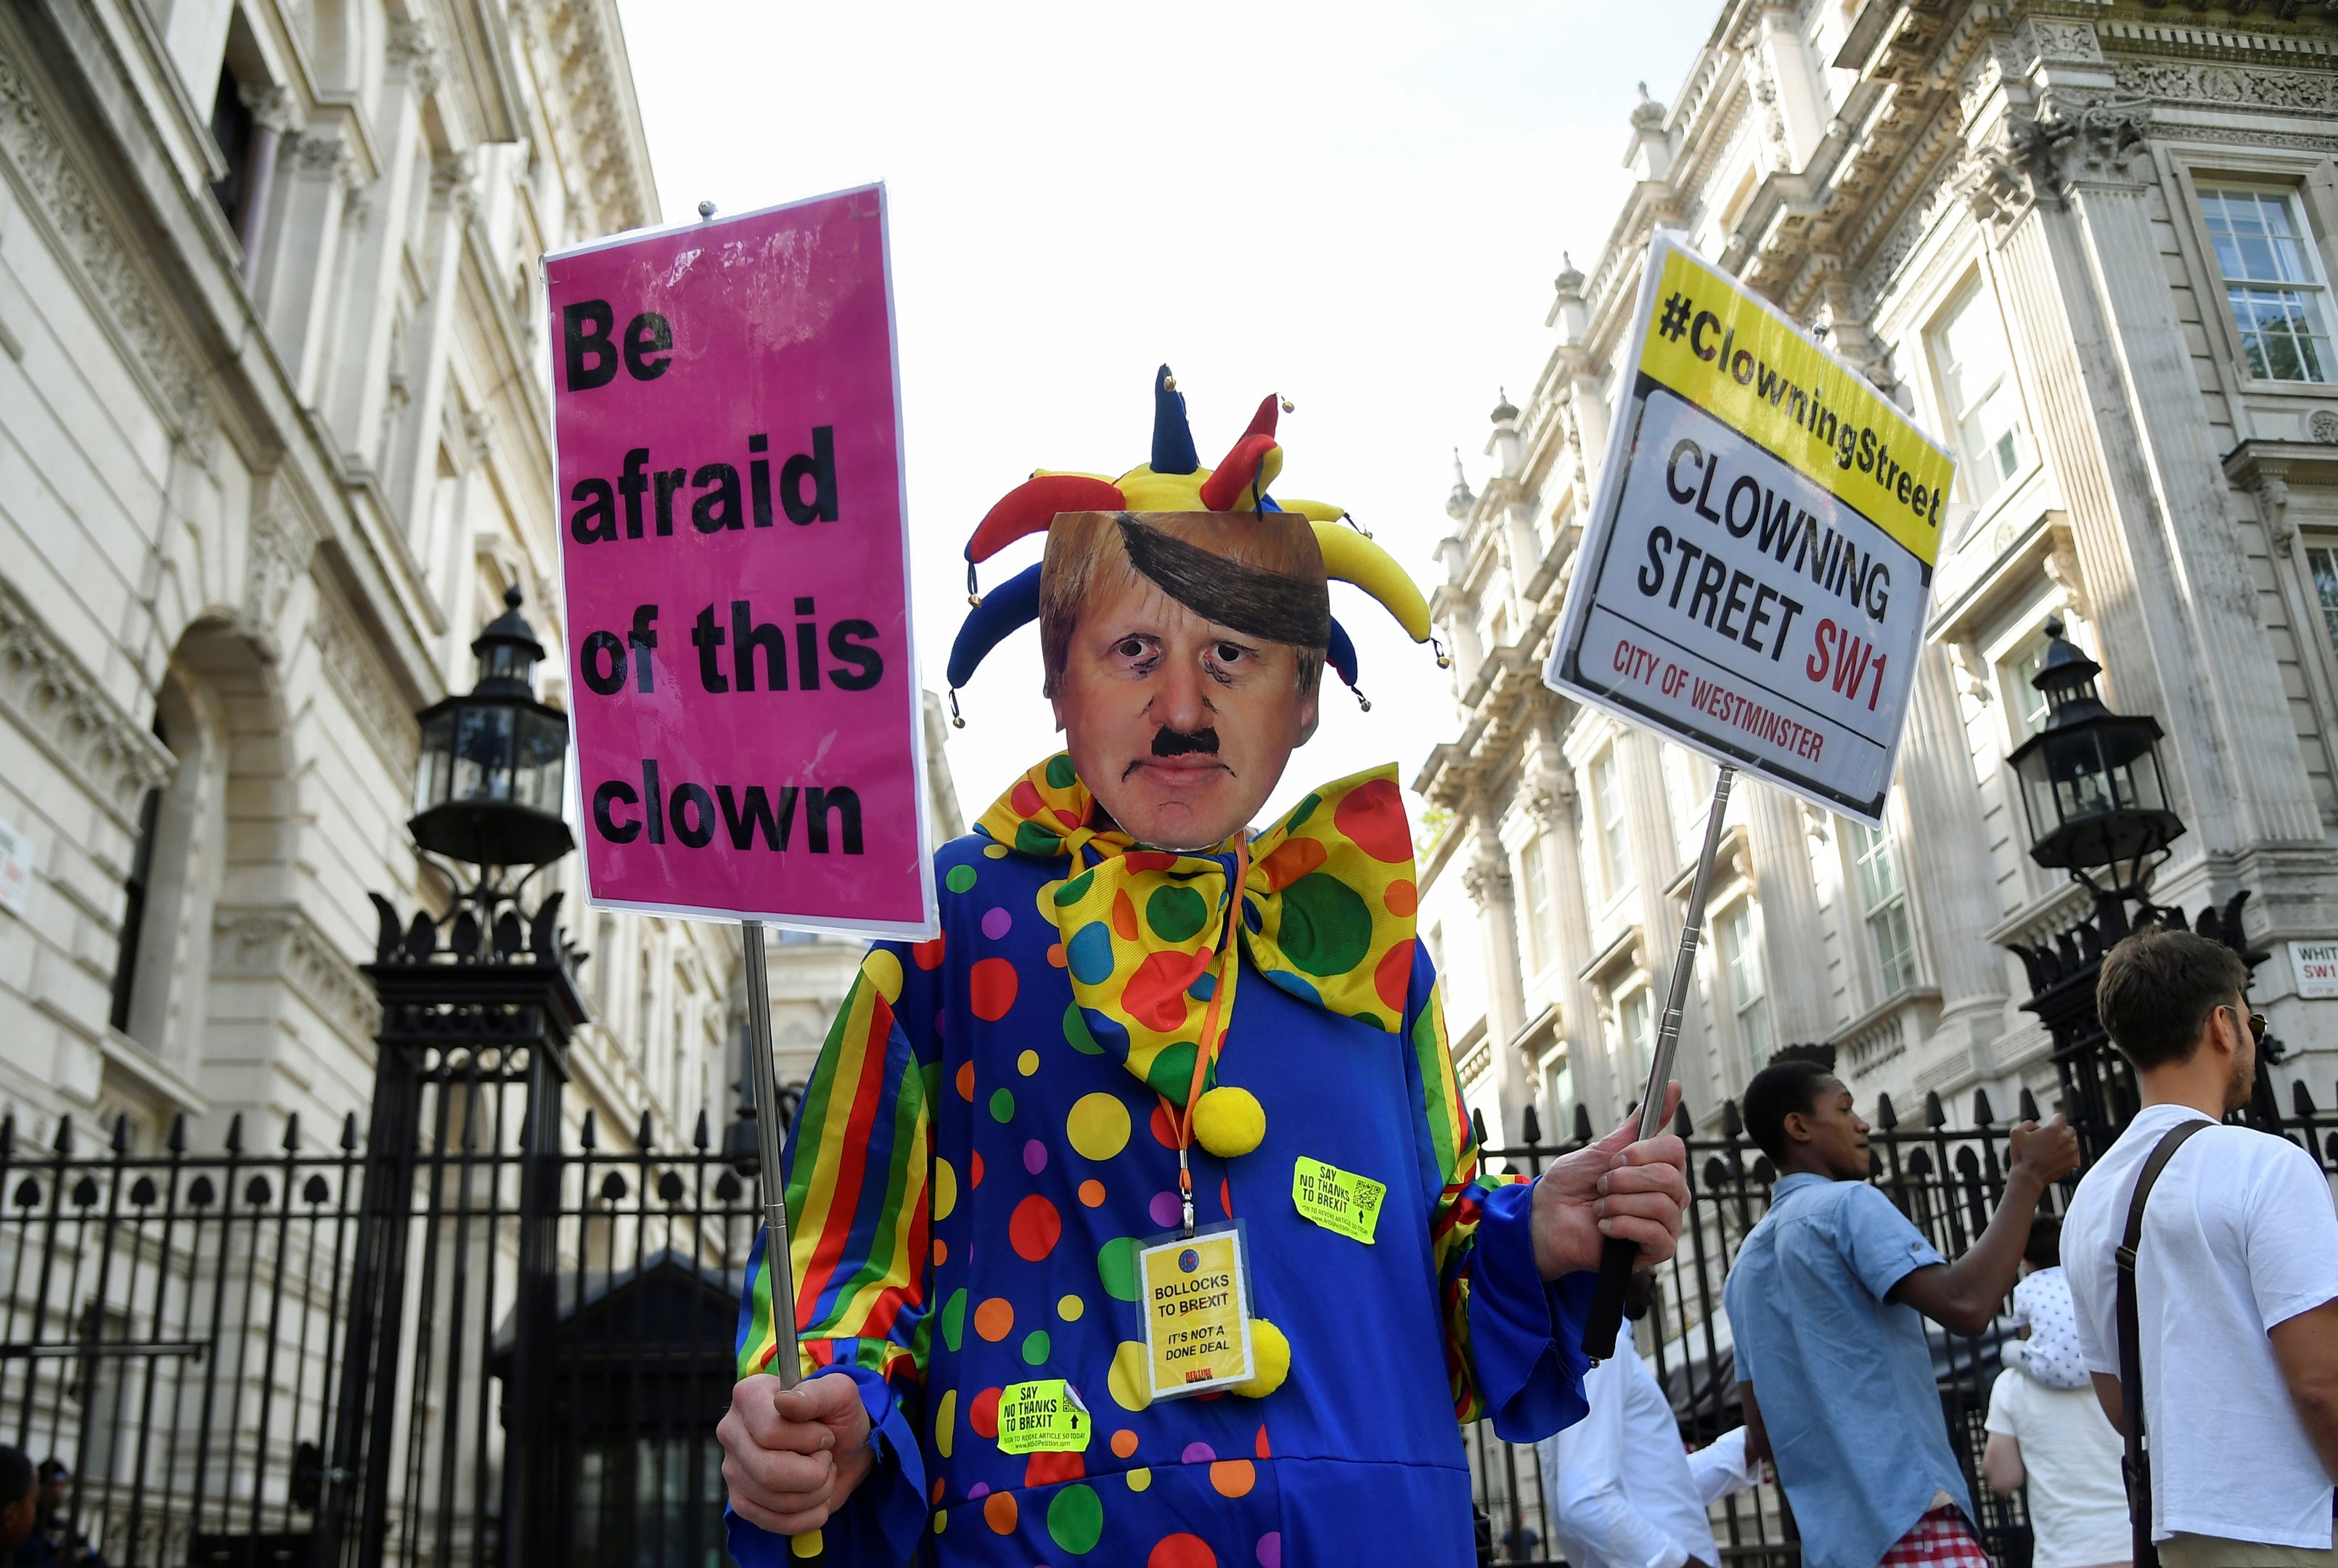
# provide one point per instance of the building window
(1688, 791)
(133, 911)
(1636, 1017)
(2322, 560)
(2272, 281)
(1983, 403)
(1558, 1094)
(1607, 824)
(1883, 896)
(1741, 961)
(231, 128)
(2024, 704)
(1535, 880)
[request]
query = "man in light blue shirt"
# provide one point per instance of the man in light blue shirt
(1826, 1305)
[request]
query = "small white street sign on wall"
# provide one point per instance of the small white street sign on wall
(2316, 966)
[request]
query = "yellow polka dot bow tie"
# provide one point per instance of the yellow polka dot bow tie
(1327, 915)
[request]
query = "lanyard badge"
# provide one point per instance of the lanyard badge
(1194, 1286)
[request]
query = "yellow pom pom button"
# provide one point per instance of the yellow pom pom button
(1229, 1122)
(1269, 1354)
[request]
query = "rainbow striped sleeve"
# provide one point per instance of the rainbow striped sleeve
(858, 1156)
(1453, 1222)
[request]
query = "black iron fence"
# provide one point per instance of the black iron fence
(1947, 1180)
(175, 1330)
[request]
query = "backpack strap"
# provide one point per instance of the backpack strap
(2137, 1463)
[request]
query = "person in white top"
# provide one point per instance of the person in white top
(2045, 1428)
(1621, 1491)
(2236, 1277)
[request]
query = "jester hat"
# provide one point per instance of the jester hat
(1209, 586)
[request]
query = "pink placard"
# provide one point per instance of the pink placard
(734, 550)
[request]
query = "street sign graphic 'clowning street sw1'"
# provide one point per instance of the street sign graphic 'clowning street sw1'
(735, 557)
(1753, 578)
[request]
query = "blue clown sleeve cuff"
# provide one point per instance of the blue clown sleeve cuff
(883, 1520)
(1525, 1333)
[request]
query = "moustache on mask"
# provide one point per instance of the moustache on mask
(1169, 743)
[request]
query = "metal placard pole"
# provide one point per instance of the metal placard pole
(778, 1259)
(1617, 1255)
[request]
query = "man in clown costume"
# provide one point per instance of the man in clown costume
(1144, 1027)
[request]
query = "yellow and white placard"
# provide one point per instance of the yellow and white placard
(1753, 578)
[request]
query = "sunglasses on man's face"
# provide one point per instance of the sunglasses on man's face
(2257, 1023)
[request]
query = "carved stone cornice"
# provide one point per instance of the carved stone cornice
(373, 697)
(597, 93)
(57, 703)
(2225, 87)
(2266, 469)
(97, 260)
(280, 942)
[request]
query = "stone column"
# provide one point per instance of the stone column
(2121, 421)
(2226, 703)
(1951, 889)
(360, 378)
(411, 465)
(1551, 798)
(300, 255)
(1798, 123)
(1488, 883)
(1792, 937)
(272, 114)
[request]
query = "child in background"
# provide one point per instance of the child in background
(2045, 1428)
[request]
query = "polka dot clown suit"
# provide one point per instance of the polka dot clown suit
(991, 1133)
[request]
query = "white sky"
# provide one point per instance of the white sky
(1358, 205)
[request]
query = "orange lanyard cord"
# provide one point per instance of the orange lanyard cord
(1213, 1034)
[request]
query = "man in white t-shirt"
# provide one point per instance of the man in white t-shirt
(2045, 1429)
(2236, 1278)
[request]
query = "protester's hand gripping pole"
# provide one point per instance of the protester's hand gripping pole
(1616, 1254)
(778, 1259)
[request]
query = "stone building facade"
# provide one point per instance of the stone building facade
(274, 440)
(2090, 244)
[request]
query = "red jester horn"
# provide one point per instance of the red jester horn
(1029, 508)
(1224, 486)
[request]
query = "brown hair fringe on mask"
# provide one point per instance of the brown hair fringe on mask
(1258, 573)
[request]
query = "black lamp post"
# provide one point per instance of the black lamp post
(2096, 799)
(2091, 781)
(493, 760)
(475, 1002)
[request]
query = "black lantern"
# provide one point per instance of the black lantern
(488, 790)
(2091, 781)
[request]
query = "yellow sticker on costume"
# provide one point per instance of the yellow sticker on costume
(1042, 1417)
(1338, 1199)
(1196, 1332)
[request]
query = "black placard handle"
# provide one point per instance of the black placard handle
(1617, 1256)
